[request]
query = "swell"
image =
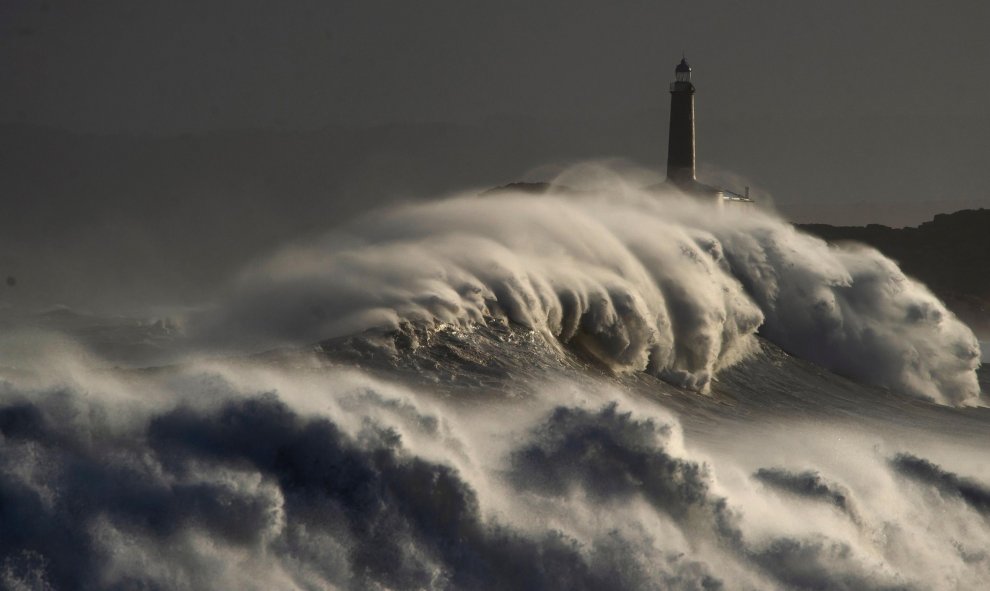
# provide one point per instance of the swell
(302, 472)
(634, 280)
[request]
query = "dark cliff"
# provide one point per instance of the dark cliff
(951, 254)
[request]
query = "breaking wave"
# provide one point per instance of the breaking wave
(464, 394)
(637, 281)
(241, 475)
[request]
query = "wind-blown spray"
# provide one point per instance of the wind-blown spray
(636, 280)
(479, 452)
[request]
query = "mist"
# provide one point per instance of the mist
(384, 295)
(250, 475)
(596, 386)
(637, 281)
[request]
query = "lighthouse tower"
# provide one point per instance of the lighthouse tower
(680, 142)
(681, 172)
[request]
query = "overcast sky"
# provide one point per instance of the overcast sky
(194, 65)
(840, 112)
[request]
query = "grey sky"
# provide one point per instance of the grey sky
(157, 145)
(181, 65)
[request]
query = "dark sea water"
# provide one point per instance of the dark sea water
(664, 400)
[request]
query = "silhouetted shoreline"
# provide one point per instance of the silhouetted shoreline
(950, 254)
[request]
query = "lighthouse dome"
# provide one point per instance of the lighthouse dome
(682, 73)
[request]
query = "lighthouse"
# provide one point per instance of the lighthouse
(681, 150)
(680, 141)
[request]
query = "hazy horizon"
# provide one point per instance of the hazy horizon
(847, 112)
(157, 147)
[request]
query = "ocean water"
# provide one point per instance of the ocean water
(610, 390)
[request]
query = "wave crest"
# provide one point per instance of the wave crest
(637, 281)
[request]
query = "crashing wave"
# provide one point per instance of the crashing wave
(637, 281)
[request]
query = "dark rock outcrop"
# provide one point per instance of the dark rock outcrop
(950, 254)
